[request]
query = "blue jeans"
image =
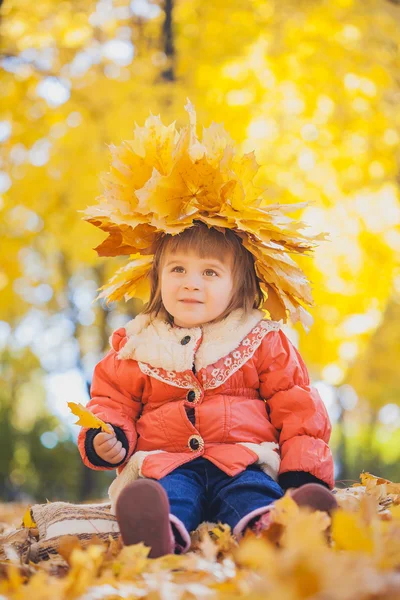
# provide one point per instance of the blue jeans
(199, 491)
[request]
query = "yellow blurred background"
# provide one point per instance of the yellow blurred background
(313, 86)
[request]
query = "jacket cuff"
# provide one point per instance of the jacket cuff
(91, 453)
(295, 479)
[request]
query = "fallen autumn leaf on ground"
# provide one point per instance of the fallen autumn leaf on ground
(303, 555)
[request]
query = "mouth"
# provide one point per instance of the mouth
(191, 301)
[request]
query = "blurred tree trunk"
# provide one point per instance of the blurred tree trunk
(168, 41)
(88, 480)
(369, 458)
(341, 452)
(7, 441)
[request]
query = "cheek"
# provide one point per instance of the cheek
(164, 285)
(168, 286)
(226, 286)
(219, 291)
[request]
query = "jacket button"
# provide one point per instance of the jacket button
(196, 443)
(185, 340)
(191, 396)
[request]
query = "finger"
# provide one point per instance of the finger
(122, 454)
(107, 442)
(117, 457)
(97, 441)
(100, 442)
(111, 444)
(103, 436)
(107, 456)
(100, 445)
(111, 452)
(116, 450)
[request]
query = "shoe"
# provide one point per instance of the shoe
(315, 496)
(142, 512)
(261, 523)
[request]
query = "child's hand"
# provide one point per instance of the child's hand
(108, 447)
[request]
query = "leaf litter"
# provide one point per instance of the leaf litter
(303, 555)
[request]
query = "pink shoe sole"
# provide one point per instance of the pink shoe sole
(315, 496)
(142, 512)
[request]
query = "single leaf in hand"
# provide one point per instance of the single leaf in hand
(87, 418)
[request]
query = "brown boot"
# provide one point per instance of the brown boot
(315, 496)
(142, 512)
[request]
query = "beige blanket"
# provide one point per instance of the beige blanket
(56, 520)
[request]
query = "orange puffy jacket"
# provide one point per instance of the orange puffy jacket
(236, 392)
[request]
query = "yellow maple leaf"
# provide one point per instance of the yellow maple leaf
(222, 535)
(163, 180)
(87, 418)
(349, 533)
(284, 510)
(132, 279)
(85, 565)
(27, 520)
(372, 479)
(395, 512)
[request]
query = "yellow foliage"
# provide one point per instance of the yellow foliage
(27, 520)
(357, 558)
(87, 418)
(351, 534)
(314, 94)
(163, 181)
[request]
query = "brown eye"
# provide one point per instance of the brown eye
(211, 271)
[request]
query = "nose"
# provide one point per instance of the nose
(192, 282)
(191, 286)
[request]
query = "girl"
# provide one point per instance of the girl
(211, 405)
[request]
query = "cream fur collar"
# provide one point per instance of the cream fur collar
(159, 344)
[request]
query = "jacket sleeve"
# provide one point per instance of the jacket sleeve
(295, 409)
(295, 479)
(115, 398)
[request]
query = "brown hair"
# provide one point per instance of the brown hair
(208, 243)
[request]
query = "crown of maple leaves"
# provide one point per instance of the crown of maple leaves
(164, 179)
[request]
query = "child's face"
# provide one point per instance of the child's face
(207, 280)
